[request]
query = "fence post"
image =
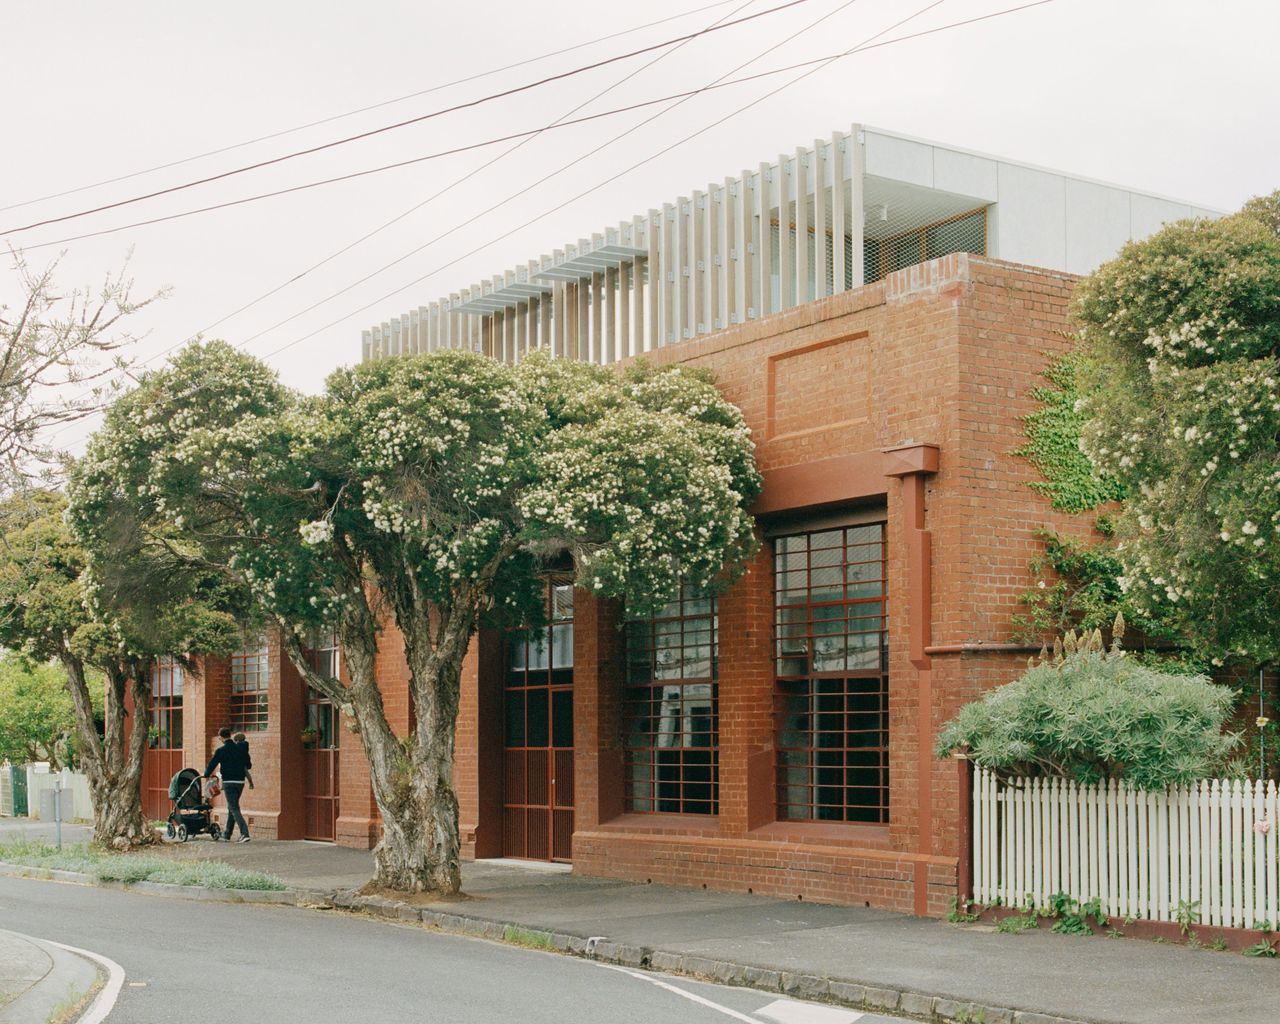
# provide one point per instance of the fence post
(964, 870)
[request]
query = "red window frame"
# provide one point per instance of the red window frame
(164, 713)
(832, 677)
(247, 702)
(670, 710)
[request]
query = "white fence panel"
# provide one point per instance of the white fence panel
(1213, 845)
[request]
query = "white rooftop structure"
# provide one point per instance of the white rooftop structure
(863, 203)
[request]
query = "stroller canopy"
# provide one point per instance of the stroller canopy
(181, 788)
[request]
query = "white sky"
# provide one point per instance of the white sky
(1176, 97)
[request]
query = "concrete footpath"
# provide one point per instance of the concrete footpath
(911, 966)
(40, 982)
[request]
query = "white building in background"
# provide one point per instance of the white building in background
(864, 203)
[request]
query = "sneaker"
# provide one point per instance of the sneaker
(243, 839)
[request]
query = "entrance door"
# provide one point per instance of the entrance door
(320, 768)
(163, 758)
(537, 821)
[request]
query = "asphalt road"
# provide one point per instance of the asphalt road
(215, 962)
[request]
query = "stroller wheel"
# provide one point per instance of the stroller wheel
(169, 831)
(182, 833)
(214, 832)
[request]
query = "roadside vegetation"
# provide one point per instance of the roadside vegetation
(136, 867)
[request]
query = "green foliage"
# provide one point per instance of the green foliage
(1186, 914)
(1179, 384)
(1218, 945)
(957, 916)
(1263, 948)
(1091, 715)
(1072, 917)
(1078, 588)
(1053, 443)
(38, 721)
(1014, 924)
(1265, 210)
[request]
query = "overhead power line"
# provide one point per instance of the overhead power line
(421, 118)
(864, 46)
(364, 110)
(823, 62)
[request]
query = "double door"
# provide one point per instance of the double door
(538, 725)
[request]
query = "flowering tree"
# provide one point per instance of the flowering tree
(427, 491)
(48, 612)
(1182, 409)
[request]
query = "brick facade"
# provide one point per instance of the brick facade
(907, 394)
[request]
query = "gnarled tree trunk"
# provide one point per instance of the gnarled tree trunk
(113, 762)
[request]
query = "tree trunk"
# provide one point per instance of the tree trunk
(112, 763)
(412, 778)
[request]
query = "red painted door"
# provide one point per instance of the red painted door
(164, 756)
(538, 721)
(320, 789)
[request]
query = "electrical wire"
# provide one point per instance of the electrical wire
(864, 46)
(822, 63)
(421, 118)
(364, 110)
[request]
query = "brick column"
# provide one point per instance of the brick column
(747, 783)
(598, 660)
(286, 695)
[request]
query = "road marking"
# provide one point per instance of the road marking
(788, 1011)
(681, 992)
(106, 999)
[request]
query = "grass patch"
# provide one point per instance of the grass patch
(137, 867)
(525, 937)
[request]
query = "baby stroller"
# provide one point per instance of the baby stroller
(192, 811)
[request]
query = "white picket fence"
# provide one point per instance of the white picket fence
(1141, 853)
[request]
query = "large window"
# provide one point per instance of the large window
(669, 712)
(323, 653)
(832, 712)
(247, 707)
(166, 704)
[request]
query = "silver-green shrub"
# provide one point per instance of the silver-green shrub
(1089, 714)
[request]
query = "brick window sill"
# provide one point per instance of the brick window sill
(826, 833)
(663, 824)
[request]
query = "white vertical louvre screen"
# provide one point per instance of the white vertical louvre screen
(1210, 846)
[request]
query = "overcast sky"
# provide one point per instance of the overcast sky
(1176, 97)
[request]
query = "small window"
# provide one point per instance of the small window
(166, 703)
(247, 705)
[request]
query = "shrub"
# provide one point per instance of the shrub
(1089, 714)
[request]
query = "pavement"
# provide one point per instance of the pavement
(38, 979)
(1111, 981)
(1108, 981)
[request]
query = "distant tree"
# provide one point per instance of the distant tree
(48, 613)
(427, 491)
(37, 719)
(56, 350)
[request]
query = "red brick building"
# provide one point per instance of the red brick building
(778, 739)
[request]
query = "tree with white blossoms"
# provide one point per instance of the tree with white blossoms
(427, 491)
(1182, 409)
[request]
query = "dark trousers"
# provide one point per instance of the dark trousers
(232, 790)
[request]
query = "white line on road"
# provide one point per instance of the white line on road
(106, 999)
(681, 992)
(788, 1011)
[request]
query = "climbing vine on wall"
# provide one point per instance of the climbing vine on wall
(1053, 444)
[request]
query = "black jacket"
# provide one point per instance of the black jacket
(233, 758)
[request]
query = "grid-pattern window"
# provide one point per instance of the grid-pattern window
(832, 710)
(166, 703)
(247, 706)
(322, 653)
(670, 712)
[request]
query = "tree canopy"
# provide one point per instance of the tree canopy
(427, 491)
(1178, 411)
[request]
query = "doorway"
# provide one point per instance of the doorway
(537, 815)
